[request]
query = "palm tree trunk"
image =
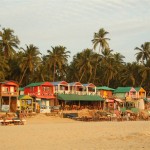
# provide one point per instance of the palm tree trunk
(82, 75)
(54, 71)
(23, 75)
(42, 78)
(95, 73)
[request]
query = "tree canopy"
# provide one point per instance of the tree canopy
(105, 67)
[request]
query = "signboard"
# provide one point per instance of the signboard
(5, 108)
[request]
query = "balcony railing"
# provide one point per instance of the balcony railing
(142, 96)
(41, 94)
(76, 92)
(9, 93)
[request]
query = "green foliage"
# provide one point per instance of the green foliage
(106, 68)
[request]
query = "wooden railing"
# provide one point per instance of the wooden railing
(9, 93)
(41, 94)
(76, 92)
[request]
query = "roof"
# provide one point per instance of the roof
(122, 89)
(104, 88)
(40, 83)
(89, 85)
(74, 97)
(21, 89)
(147, 100)
(10, 83)
(35, 84)
(139, 89)
(59, 82)
(26, 97)
(75, 84)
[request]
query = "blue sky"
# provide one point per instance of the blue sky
(72, 23)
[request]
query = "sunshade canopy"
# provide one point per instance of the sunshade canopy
(25, 97)
(74, 97)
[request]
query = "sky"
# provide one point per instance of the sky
(72, 23)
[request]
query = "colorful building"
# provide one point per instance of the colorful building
(42, 94)
(80, 95)
(61, 87)
(106, 93)
(9, 92)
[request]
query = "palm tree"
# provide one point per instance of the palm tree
(129, 75)
(101, 40)
(4, 67)
(57, 57)
(144, 52)
(84, 63)
(118, 58)
(30, 60)
(8, 42)
(144, 71)
(97, 58)
(72, 72)
(109, 66)
(117, 64)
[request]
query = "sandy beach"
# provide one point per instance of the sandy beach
(46, 132)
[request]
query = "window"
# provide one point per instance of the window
(5, 89)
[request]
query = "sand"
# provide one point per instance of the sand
(54, 133)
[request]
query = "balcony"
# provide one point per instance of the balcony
(63, 92)
(45, 94)
(9, 93)
(76, 92)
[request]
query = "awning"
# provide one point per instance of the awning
(25, 97)
(74, 97)
(147, 100)
(118, 100)
(109, 100)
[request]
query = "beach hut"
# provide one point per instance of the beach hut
(26, 103)
(126, 94)
(89, 89)
(76, 88)
(81, 101)
(140, 93)
(61, 87)
(42, 94)
(21, 91)
(9, 92)
(106, 93)
(140, 96)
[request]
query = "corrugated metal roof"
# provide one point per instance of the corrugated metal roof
(35, 84)
(74, 83)
(85, 84)
(59, 82)
(24, 97)
(74, 97)
(104, 88)
(122, 89)
(89, 85)
(21, 89)
(56, 83)
(9, 82)
(137, 88)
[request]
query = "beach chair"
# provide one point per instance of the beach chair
(6, 122)
(18, 121)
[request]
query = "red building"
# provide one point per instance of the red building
(8, 96)
(42, 94)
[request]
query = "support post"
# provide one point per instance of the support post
(9, 102)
